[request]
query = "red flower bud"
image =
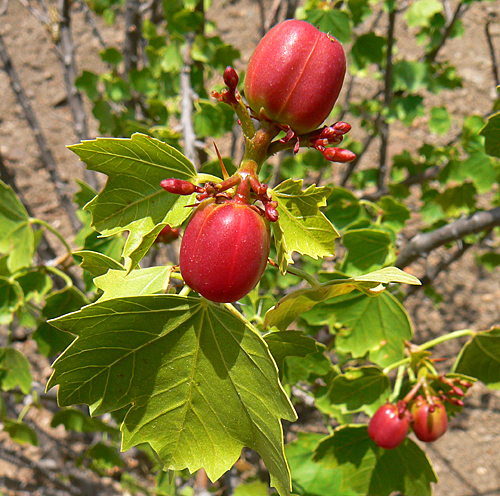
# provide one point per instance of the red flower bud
(178, 186)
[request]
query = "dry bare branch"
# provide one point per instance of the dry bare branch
(46, 155)
(424, 243)
(66, 52)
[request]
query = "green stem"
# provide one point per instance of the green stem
(61, 274)
(431, 344)
(398, 383)
(304, 275)
(53, 231)
(395, 365)
(447, 337)
(243, 115)
(238, 314)
(256, 148)
(184, 291)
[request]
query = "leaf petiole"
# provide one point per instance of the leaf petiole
(61, 274)
(304, 275)
(53, 231)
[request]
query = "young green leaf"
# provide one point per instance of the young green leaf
(367, 249)
(310, 477)
(76, 420)
(193, 373)
(378, 326)
(16, 236)
(117, 283)
(421, 12)
(20, 432)
(11, 298)
(35, 283)
(302, 227)
(283, 344)
(97, 263)
(491, 133)
(14, 370)
(357, 389)
(50, 340)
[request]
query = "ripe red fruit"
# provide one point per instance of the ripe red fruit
(224, 250)
(430, 422)
(388, 428)
(295, 75)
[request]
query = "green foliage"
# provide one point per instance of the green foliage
(16, 235)
(367, 469)
(480, 358)
(225, 355)
(302, 227)
(14, 371)
(198, 381)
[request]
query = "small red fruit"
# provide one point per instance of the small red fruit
(295, 75)
(430, 422)
(388, 427)
(224, 250)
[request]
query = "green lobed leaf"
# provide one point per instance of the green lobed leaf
(480, 358)
(369, 469)
(212, 120)
(308, 368)
(420, 12)
(35, 283)
(11, 298)
(332, 21)
(97, 263)
(378, 326)
(491, 133)
(302, 300)
(283, 344)
(117, 283)
(479, 168)
(201, 383)
(343, 208)
(440, 121)
(104, 456)
(20, 432)
(301, 225)
(367, 49)
(255, 488)
(14, 370)
(16, 236)
(49, 339)
(358, 389)
(309, 477)
(367, 249)
(132, 199)
(76, 420)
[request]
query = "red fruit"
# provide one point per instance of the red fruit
(388, 427)
(430, 422)
(224, 250)
(167, 235)
(295, 75)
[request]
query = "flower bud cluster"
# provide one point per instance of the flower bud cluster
(259, 192)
